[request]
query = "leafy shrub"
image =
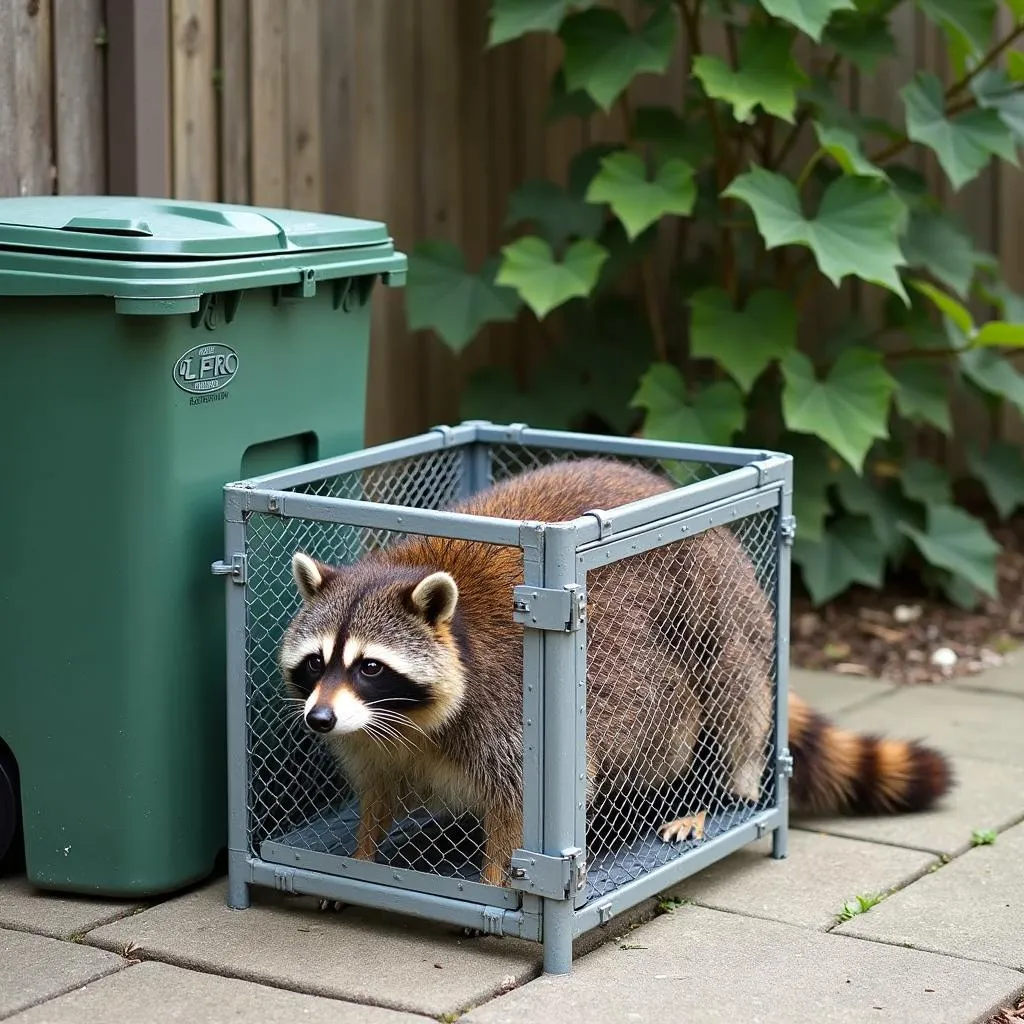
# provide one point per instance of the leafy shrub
(729, 364)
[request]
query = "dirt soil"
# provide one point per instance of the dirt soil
(903, 635)
(1008, 1014)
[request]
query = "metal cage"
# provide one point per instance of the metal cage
(587, 852)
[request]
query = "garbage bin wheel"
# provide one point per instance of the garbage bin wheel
(9, 811)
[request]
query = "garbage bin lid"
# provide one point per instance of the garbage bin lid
(140, 229)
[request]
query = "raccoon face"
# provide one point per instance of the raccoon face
(371, 649)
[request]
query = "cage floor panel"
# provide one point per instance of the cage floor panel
(451, 847)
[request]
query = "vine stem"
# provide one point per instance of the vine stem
(691, 24)
(900, 144)
(647, 278)
(987, 61)
(804, 115)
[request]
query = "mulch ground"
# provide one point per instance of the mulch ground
(902, 634)
(1008, 1014)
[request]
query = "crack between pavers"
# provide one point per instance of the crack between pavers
(931, 851)
(74, 936)
(74, 987)
(929, 949)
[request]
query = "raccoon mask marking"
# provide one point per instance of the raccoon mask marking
(371, 649)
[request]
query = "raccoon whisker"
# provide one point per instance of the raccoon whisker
(387, 729)
(396, 717)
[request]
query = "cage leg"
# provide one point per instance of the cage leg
(780, 842)
(558, 928)
(238, 883)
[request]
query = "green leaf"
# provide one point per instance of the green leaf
(557, 214)
(568, 104)
(922, 393)
(844, 147)
(691, 140)
(767, 75)
(863, 39)
(960, 591)
(925, 482)
(998, 332)
(937, 244)
(993, 374)
(623, 253)
(742, 341)
(1001, 470)
(710, 417)
(959, 542)
(1015, 65)
(882, 502)
(855, 231)
(965, 144)
(848, 409)
(441, 294)
(948, 306)
(637, 201)
(529, 266)
(970, 19)
(810, 16)
(492, 393)
(849, 552)
(995, 90)
(511, 19)
(602, 56)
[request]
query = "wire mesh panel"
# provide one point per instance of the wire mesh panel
(681, 656)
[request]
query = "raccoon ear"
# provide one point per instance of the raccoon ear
(310, 575)
(435, 597)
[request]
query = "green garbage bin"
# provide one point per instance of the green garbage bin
(153, 351)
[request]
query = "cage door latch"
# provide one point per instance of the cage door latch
(235, 568)
(557, 878)
(788, 529)
(784, 763)
(561, 610)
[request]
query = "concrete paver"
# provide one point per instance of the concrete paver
(830, 692)
(30, 909)
(986, 726)
(34, 968)
(972, 907)
(360, 955)
(810, 886)
(148, 993)
(986, 795)
(1008, 678)
(714, 968)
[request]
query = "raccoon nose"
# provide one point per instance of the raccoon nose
(321, 719)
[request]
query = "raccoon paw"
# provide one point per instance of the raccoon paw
(691, 827)
(335, 905)
(472, 933)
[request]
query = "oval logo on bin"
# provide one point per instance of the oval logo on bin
(205, 368)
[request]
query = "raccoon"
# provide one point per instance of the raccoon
(409, 665)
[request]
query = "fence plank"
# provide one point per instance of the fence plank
(8, 114)
(233, 40)
(304, 154)
(194, 119)
(337, 41)
(79, 71)
(33, 98)
(267, 87)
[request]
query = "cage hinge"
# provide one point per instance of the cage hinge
(235, 568)
(493, 921)
(784, 764)
(284, 879)
(557, 878)
(788, 529)
(562, 610)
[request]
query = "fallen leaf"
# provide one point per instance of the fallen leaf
(850, 668)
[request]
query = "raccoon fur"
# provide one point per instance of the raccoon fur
(410, 667)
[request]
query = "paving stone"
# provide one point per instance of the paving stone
(972, 907)
(35, 967)
(1008, 678)
(359, 955)
(810, 886)
(986, 795)
(830, 692)
(986, 726)
(709, 967)
(30, 909)
(152, 992)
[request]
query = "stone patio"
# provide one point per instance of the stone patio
(752, 940)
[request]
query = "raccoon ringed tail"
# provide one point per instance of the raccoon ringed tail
(836, 771)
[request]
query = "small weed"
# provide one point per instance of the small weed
(983, 837)
(448, 1018)
(858, 905)
(670, 904)
(632, 945)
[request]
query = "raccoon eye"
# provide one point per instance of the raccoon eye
(370, 669)
(314, 664)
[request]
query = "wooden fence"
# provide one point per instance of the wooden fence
(388, 109)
